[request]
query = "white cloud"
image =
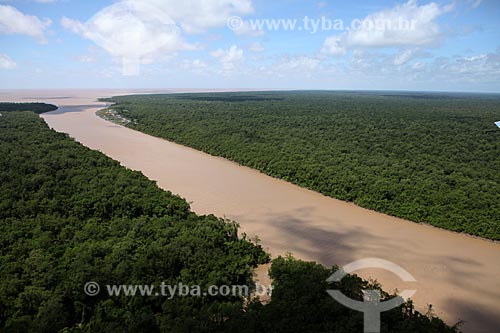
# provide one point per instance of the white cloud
(420, 29)
(292, 67)
(144, 31)
(6, 62)
(417, 66)
(480, 70)
(195, 16)
(134, 32)
(334, 45)
(256, 47)
(12, 21)
(405, 25)
(90, 56)
(229, 58)
(476, 67)
(301, 64)
(195, 64)
(404, 56)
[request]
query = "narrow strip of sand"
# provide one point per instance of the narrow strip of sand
(457, 274)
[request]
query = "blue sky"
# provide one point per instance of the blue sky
(450, 45)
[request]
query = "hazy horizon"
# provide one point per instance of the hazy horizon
(319, 45)
(156, 90)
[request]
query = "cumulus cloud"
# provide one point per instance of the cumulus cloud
(405, 25)
(134, 32)
(143, 31)
(480, 70)
(6, 62)
(229, 58)
(482, 67)
(12, 21)
(195, 16)
(476, 69)
(334, 45)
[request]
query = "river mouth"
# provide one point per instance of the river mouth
(457, 274)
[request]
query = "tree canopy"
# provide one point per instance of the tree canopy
(33, 107)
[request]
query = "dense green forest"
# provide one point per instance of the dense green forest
(69, 215)
(426, 157)
(34, 107)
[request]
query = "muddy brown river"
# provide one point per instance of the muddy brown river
(459, 275)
